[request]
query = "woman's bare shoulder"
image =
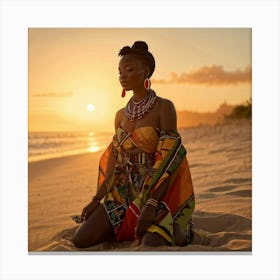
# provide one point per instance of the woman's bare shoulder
(167, 114)
(165, 103)
(120, 112)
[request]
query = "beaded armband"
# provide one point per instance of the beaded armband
(153, 202)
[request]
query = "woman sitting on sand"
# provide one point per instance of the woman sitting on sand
(144, 181)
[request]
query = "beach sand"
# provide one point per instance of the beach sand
(220, 159)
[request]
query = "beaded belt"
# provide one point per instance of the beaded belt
(140, 158)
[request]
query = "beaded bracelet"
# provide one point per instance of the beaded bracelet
(152, 202)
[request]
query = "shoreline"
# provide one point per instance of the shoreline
(181, 130)
(31, 162)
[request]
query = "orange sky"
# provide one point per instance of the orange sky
(198, 69)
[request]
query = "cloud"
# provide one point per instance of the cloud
(53, 94)
(210, 75)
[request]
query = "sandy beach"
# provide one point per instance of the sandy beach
(220, 159)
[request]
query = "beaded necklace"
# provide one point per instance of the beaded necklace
(136, 110)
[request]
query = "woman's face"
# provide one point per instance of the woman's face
(132, 72)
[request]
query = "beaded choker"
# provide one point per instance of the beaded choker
(136, 110)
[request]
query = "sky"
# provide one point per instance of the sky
(73, 72)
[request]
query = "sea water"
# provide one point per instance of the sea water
(47, 145)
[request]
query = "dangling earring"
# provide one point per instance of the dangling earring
(123, 93)
(147, 84)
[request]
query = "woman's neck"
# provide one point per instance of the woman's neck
(139, 94)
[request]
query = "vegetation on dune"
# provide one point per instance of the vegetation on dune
(242, 111)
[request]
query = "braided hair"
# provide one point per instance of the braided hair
(140, 49)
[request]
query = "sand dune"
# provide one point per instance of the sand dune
(220, 159)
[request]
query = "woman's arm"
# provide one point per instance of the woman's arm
(109, 167)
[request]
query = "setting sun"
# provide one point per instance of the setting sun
(90, 107)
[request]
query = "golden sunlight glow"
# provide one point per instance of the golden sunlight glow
(87, 96)
(90, 107)
(93, 149)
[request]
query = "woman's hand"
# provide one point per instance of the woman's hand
(89, 209)
(146, 218)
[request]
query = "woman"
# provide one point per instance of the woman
(144, 175)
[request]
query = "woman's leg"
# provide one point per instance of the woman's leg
(180, 238)
(154, 239)
(96, 229)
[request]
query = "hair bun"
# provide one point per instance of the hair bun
(140, 50)
(140, 45)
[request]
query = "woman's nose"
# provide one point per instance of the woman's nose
(122, 76)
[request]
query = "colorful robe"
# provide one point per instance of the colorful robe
(136, 177)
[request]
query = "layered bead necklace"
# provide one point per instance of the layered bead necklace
(136, 110)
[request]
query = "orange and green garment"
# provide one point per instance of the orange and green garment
(134, 181)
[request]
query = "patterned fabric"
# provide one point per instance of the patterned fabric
(145, 138)
(136, 177)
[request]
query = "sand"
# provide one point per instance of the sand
(220, 159)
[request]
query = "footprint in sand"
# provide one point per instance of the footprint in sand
(235, 150)
(206, 196)
(237, 180)
(241, 193)
(229, 190)
(221, 188)
(199, 164)
(215, 151)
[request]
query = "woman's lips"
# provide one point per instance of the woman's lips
(124, 84)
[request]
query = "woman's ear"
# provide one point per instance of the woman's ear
(147, 72)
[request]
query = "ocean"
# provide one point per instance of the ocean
(47, 145)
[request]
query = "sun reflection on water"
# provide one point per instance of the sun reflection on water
(92, 144)
(93, 149)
